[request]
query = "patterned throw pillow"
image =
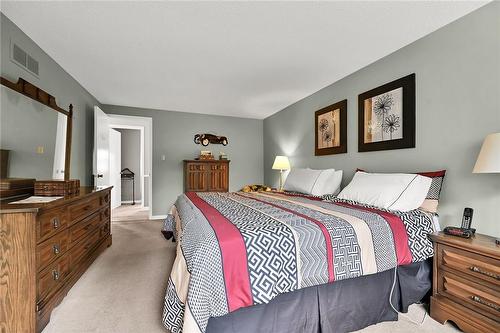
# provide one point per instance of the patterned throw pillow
(431, 201)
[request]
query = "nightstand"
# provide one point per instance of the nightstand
(466, 282)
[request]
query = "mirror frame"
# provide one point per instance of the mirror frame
(30, 90)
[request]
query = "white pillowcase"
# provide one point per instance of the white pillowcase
(315, 182)
(395, 191)
(328, 182)
(301, 180)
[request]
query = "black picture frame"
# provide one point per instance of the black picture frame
(407, 84)
(342, 147)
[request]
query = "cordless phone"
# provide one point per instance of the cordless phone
(465, 231)
(467, 218)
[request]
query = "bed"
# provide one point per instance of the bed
(246, 261)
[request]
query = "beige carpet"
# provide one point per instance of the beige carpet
(129, 213)
(123, 290)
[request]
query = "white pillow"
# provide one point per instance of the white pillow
(395, 191)
(301, 180)
(328, 182)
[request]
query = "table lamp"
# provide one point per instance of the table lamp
(488, 160)
(281, 163)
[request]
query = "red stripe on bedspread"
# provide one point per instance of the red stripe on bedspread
(397, 226)
(326, 234)
(234, 255)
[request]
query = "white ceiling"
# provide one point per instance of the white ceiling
(246, 59)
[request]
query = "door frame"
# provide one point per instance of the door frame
(145, 126)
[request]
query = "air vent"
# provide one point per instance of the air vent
(23, 59)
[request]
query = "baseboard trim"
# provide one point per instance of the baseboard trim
(128, 202)
(158, 217)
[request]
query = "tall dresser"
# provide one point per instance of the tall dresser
(44, 249)
(206, 175)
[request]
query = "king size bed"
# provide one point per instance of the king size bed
(281, 262)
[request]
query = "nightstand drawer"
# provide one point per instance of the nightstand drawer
(478, 297)
(472, 264)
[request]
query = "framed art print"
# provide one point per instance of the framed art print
(386, 116)
(331, 129)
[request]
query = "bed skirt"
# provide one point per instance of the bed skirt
(342, 306)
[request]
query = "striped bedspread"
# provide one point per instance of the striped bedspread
(240, 249)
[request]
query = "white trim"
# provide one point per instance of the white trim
(145, 125)
(157, 217)
(128, 202)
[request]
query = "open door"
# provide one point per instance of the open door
(115, 167)
(101, 148)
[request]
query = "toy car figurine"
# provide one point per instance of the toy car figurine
(206, 139)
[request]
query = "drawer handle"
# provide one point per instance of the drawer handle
(56, 249)
(480, 271)
(55, 223)
(87, 207)
(87, 227)
(479, 300)
(55, 275)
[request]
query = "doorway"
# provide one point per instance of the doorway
(123, 159)
(125, 172)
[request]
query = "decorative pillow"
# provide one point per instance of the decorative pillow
(397, 191)
(301, 180)
(431, 201)
(328, 182)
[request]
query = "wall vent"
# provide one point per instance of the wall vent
(23, 59)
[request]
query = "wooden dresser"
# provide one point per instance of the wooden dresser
(44, 249)
(466, 282)
(206, 175)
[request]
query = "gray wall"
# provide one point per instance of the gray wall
(57, 82)
(457, 75)
(131, 158)
(173, 134)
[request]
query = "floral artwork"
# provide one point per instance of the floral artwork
(386, 117)
(330, 129)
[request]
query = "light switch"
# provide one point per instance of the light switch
(163, 157)
(39, 150)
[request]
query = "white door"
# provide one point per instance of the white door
(101, 148)
(115, 166)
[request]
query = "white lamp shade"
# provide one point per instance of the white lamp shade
(281, 163)
(488, 160)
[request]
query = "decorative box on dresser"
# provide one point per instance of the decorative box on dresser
(466, 282)
(206, 175)
(44, 249)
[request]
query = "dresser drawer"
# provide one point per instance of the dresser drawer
(51, 222)
(474, 265)
(80, 230)
(82, 249)
(105, 198)
(83, 209)
(52, 248)
(478, 297)
(51, 278)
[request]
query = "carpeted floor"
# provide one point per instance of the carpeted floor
(129, 213)
(123, 290)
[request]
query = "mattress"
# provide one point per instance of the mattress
(237, 250)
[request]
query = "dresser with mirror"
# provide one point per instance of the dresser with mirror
(46, 243)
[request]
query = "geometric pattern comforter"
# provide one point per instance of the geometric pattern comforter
(240, 249)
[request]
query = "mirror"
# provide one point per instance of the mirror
(33, 134)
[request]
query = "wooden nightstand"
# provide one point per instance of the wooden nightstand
(466, 282)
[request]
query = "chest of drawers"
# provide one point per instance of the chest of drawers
(206, 175)
(466, 282)
(44, 249)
